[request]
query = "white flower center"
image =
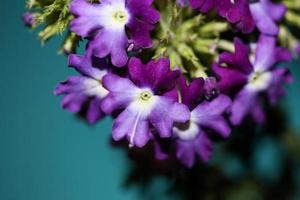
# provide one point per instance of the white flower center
(187, 131)
(145, 96)
(114, 15)
(120, 16)
(259, 81)
(144, 102)
(95, 88)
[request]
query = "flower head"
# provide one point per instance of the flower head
(249, 79)
(145, 99)
(85, 90)
(265, 15)
(191, 137)
(105, 23)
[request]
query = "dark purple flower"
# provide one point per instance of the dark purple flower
(203, 5)
(106, 24)
(238, 13)
(29, 19)
(248, 80)
(246, 14)
(191, 136)
(85, 90)
(145, 100)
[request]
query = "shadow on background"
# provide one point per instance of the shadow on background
(255, 163)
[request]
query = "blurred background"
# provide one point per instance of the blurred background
(49, 154)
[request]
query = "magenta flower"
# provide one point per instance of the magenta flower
(106, 23)
(85, 90)
(145, 102)
(249, 80)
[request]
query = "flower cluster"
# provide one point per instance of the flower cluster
(172, 77)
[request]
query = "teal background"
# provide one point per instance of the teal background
(47, 153)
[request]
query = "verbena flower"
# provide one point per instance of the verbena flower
(246, 14)
(144, 100)
(106, 24)
(248, 80)
(84, 93)
(191, 138)
(238, 13)
(265, 15)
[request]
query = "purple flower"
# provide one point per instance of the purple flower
(106, 24)
(238, 13)
(29, 19)
(145, 101)
(246, 14)
(203, 5)
(265, 15)
(191, 137)
(86, 90)
(248, 80)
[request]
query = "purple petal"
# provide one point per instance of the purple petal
(133, 126)
(185, 153)
(165, 113)
(94, 112)
(230, 79)
(155, 74)
(242, 105)
(111, 42)
(190, 94)
(209, 114)
(279, 77)
(86, 14)
(203, 147)
(122, 92)
(263, 20)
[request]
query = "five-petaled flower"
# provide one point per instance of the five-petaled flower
(106, 24)
(144, 98)
(86, 89)
(250, 79)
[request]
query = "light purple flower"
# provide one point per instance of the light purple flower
(84, 93)
(265, 15)
(247, 80)
(144, 100)
(106, 24)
